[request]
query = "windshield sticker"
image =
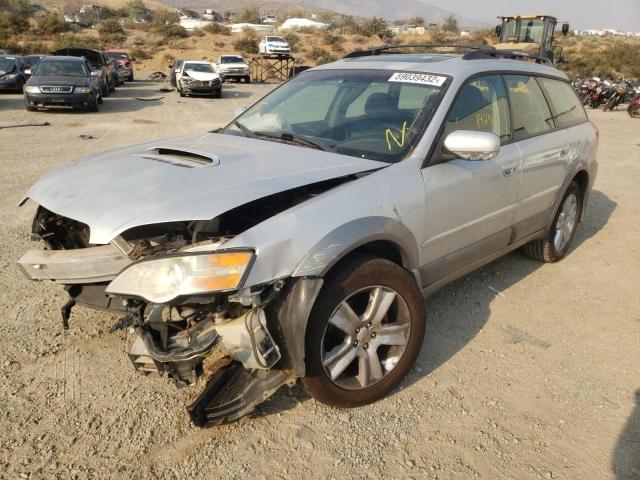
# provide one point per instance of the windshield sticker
(419, 78)
(390, 136)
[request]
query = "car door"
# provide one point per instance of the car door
(545, 152)
(470, 205)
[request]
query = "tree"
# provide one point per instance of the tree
(417, 21)
(135, 8)
(250, 15)
(450, 24)
(378, 27)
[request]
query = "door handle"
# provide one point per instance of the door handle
(508, 170)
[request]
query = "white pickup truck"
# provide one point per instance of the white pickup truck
(233, 66)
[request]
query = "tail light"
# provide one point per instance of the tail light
(597, 130)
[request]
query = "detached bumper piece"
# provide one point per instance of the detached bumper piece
(233, 392)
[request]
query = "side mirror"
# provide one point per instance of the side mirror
(27, 71)
(472, 145)
(176, 70)
(498, 30)
(96, 73)
(565, 28)
(239, 111)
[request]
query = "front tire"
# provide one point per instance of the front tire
(555, 245)
(364, 333)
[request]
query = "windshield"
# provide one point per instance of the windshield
(231, 60)
(7, 64)
(275, 39)
(57, 68)
(371, 114)
(531, 31)
(117, 56)
(199, 67)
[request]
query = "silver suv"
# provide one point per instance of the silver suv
(300, 240)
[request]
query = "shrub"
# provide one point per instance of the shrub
(248, 43)
(51, 24)
(111, 31)
(376, 27)
(319, 55)
(333, 40)
(138, 53)
(217, 28)
(293, 40)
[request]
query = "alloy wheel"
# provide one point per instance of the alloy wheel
(365, 337)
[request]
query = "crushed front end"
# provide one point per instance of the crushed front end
(181, 292)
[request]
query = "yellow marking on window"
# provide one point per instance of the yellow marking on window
(389, 133)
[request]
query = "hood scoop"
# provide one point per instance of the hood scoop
(180, 156)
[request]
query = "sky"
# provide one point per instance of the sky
(581, 14)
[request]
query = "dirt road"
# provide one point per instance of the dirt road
(528, 371)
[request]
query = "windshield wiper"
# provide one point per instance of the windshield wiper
(296, 139)
(245, 131)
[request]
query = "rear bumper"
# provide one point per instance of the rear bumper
(59, 100)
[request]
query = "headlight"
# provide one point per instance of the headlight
(11, 76)
(162, 280)
(82, 89)
(31, 89)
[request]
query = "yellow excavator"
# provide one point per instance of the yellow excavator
(531, 33)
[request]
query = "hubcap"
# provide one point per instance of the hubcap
(566, 222)
(366, 337)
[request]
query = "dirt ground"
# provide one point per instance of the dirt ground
(528, 371)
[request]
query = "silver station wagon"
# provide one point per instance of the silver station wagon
(300, 240)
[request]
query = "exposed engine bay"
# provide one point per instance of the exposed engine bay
(225, 337)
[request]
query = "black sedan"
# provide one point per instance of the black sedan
(62, 82)
(12, 73)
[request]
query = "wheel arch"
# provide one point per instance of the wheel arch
(380, 236)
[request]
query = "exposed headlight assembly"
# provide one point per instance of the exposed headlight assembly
(31, 89)
(82, 89)
(164, 279)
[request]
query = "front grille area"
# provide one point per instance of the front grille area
(55, 89)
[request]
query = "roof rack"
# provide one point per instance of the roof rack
(472, 52)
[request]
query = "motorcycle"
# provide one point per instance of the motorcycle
(634, 108)
(617, 96)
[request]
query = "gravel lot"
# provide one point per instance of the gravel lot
(528, 371)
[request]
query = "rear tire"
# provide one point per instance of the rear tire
(247, 79)
(634, 110)
(549, 249)
(371, 368)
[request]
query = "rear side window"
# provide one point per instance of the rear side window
(481, 106)
(565, 105)
(531, 113)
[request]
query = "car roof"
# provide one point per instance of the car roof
(204, 62)
(63, 58)
(442, 63)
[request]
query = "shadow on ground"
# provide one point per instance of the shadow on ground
(447, 333)
(626, 455)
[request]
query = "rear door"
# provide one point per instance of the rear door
(470, 205)
(545, 153)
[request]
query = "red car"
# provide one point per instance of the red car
(123, 59)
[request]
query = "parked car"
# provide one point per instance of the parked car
(300, 240)
(120, 72)
(33, 60)
(63, 82)
(13, 74)
(99, 62)
(198, 78)
(233, 67)
(123, 59)
(274, 45)
(174, 68)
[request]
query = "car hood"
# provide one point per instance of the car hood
(202, 76)
(60, 81)
(184, 179)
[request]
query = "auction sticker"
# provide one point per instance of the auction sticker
(420, 78)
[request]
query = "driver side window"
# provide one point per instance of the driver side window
(482, 106)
